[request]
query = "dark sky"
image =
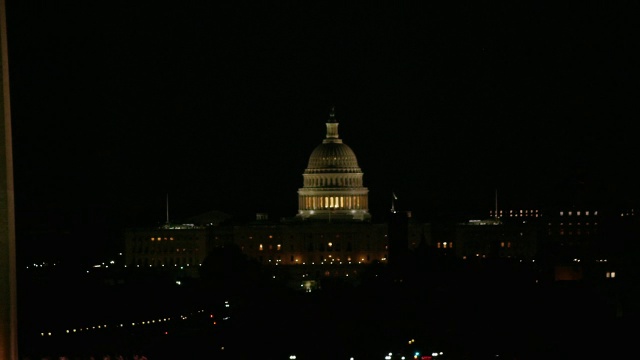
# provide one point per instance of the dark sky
(115, 104)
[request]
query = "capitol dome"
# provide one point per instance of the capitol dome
(333, 186)
(333, 156)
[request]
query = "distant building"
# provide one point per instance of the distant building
(180, 248)
(579, 240)
(494, 238)
(570, 243)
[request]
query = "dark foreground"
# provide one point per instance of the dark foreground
(462, 318)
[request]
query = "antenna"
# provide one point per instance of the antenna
(496, 214)
(167, 208)
(393, 201)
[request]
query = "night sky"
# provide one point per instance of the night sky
(117, 104)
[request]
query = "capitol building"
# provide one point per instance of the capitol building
(331, 235)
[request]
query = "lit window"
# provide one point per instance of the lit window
(270, 236)
(570, 213)
(279, 247)
(561, 213)
(578, 213)
(260, 247)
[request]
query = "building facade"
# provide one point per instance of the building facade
(177, 248)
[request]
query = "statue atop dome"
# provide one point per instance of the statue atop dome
(332, 115)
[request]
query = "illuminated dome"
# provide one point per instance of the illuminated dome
(333, 187)
(332, 156)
